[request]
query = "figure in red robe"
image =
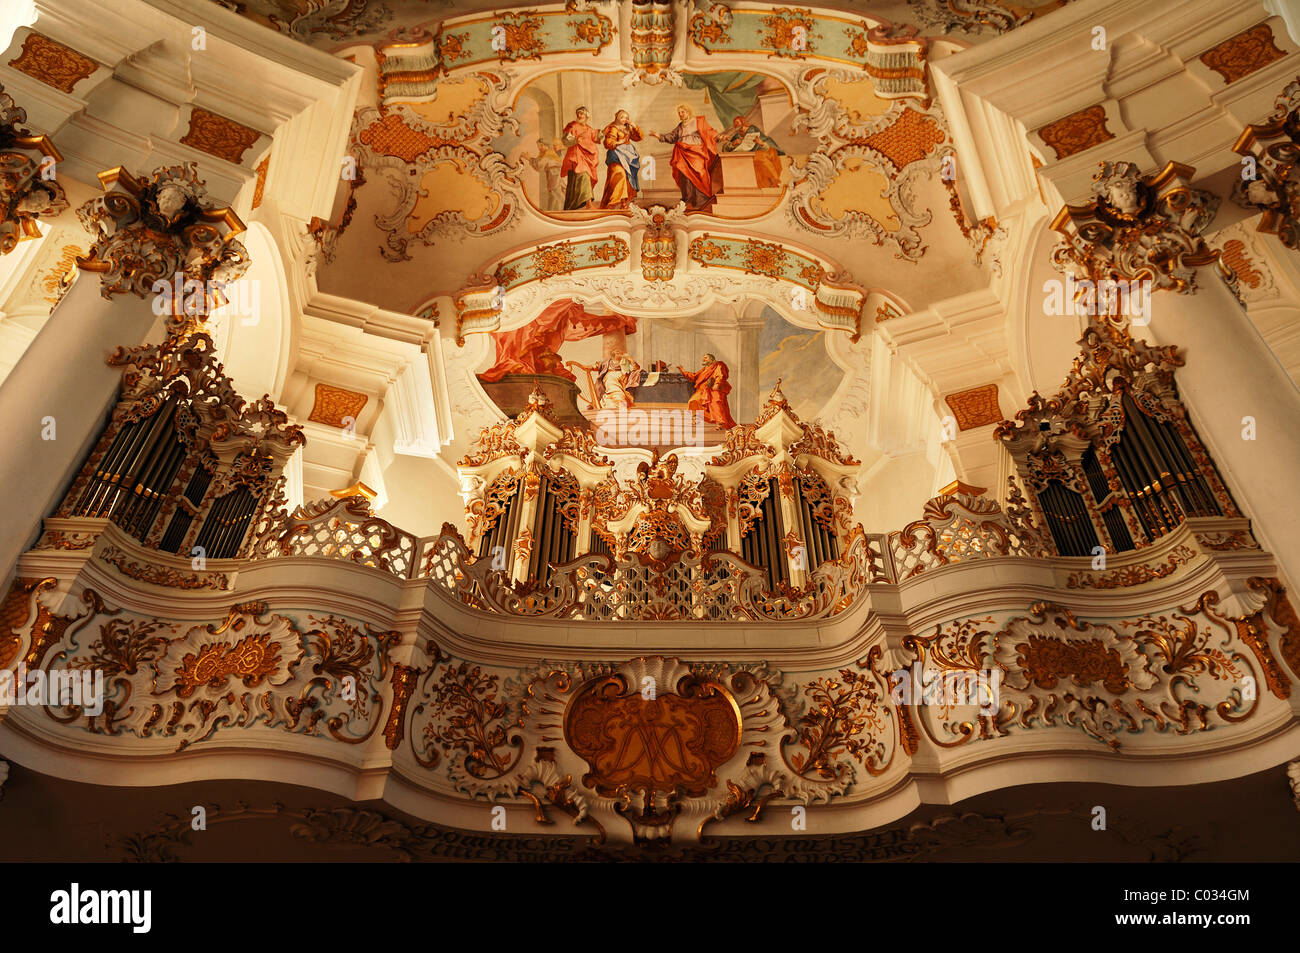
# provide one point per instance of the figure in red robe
(711, 390)
(695, 150)
(579, 168)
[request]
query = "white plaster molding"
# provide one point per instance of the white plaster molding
(244, 72)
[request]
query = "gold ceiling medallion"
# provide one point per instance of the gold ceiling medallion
(218, 136)
(976, 407)
(163, 228)
(28, 189)
(337, 406)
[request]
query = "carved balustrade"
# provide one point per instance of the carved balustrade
(338, 529)
(961, 526)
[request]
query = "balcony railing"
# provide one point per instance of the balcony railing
(339, 529)
(713, 587)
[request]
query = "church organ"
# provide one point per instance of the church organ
(1112, 461)
(539, 495)
(183, 465)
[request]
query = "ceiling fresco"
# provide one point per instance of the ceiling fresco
(738, 108)
(808, 128)
(787, 169)
(763, 184)
(612, 360)
(329, 23)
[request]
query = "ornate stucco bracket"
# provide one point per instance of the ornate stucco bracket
(163, 228)
(1138, 228)
(28, 189)
(1272, 150)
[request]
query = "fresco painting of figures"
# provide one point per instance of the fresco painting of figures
(721, 143)
(712, 367)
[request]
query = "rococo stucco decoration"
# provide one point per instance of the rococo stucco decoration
(654, 749)
(601, 455)
(28, 188)
(1273, 148)
(158, 228)
(1138, 228)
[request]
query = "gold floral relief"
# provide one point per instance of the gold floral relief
(844, 720)
(162, 575)
(405, 678)
(552, 260)
(334, 405)
(976, 407)
(251, 659)
(1134, 575)
(1235, 257)
(56, 282)
(219, 136)
(1077, 132)
(53, 63)
(764, 258)
(1242, 54)
(704, 251)
(259, 189)
(15, 610)
(1045, 661)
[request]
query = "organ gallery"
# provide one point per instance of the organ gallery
(649, 430)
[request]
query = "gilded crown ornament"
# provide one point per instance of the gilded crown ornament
(163, 228)
(1138, 228)
(28, 190)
